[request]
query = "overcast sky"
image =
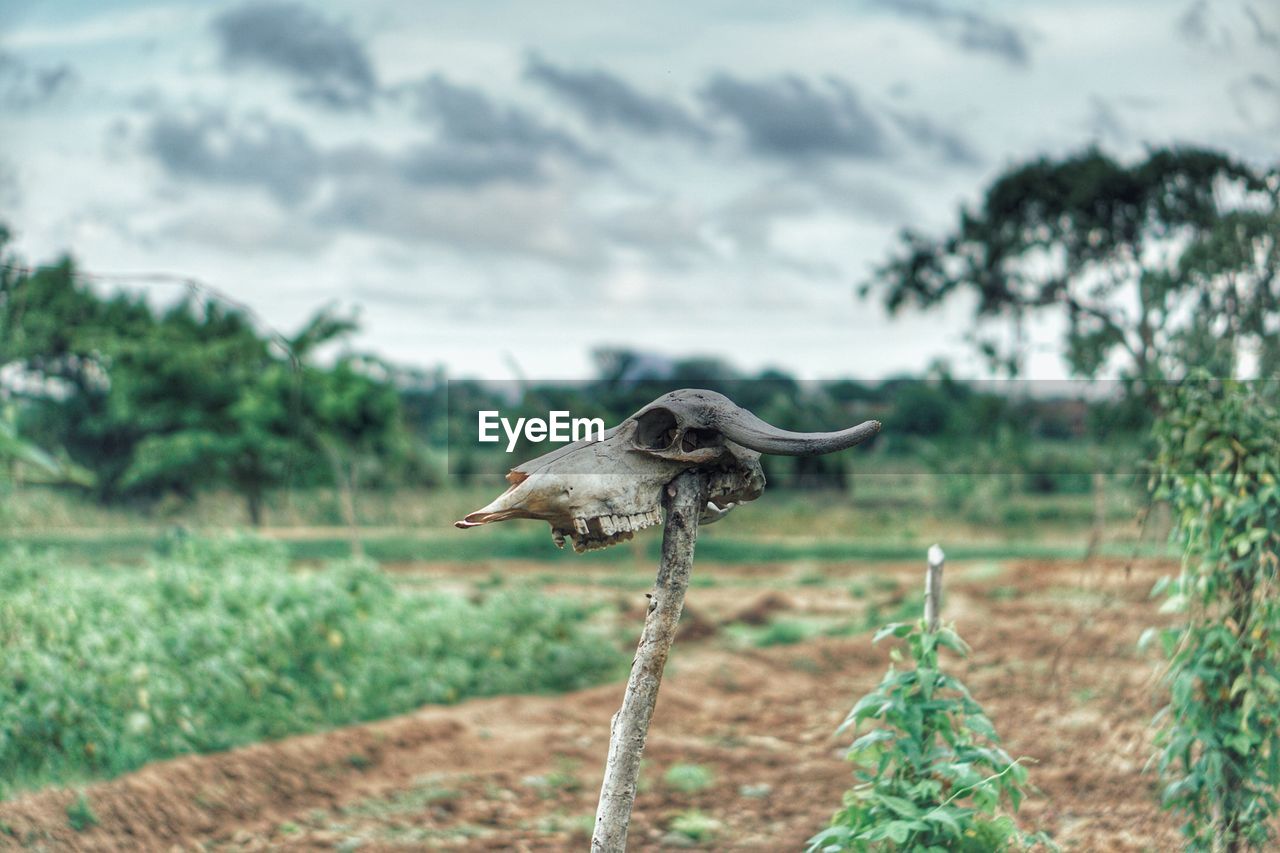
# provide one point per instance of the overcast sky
(499, 182)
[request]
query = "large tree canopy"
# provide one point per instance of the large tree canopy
(1154, 266)
(165, 401)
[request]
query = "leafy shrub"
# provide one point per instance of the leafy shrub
(931, 773)
(218, 644)
(1218, 465)
(784, 632)
(695, 826)
(688, 778)
(80, 814)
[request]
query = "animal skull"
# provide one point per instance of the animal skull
(599, 492)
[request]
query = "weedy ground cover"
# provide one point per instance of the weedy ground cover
(218, 644)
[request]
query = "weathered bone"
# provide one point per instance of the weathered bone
(599, 492)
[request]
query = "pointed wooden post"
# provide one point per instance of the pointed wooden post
(933, 588)
(686, 498)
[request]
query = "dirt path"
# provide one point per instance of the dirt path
(1054, 663)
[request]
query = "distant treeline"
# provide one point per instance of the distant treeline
(148, 402)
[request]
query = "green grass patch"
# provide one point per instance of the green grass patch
(688, 778)
(532, 542)
(80, 814)
(219, 644)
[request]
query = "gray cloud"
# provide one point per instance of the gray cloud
(324, 57)
(790, 118)
(23, 85)
(1104, 121)
(479, 140)
(467, 115)
(1257, 100)
(607, 99)
(255, 151)
(1193, 24)
(967, 29)
(929, 134)
(1267, 36)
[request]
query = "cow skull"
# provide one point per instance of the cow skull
(599, 492)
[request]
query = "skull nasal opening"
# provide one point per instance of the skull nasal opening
(656, 429)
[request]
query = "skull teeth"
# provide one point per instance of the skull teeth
(591, 534)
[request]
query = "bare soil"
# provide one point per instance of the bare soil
(1054, 662)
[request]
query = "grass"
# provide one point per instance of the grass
(890, 515)
(80, 814)
(531, 541)
(219, 644)
(695, 826)
(688, 778)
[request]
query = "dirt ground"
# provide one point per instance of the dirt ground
(1054, 663)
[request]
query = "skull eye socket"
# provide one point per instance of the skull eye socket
(656, 429)
(695, 438)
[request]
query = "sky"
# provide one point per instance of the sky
(503, 187)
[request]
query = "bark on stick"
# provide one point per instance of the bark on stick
(686, 496)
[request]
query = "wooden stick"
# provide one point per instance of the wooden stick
(630, 726)
(933, 588)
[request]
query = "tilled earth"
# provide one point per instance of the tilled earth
(1054, 662)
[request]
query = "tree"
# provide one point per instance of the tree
(171, 401)
(355, 418)
(1153, 266)
(210, 402)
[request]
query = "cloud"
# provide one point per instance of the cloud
(501, 219)
(467, 115)
(790, 118)
(607, 99)
(212, 147)
(1193, 24)
(478, 141)
(1105, 122)
(967, 29)
(324, 57)
(927, 133)
(23, 85)
(1267, 36)
(1257, 101)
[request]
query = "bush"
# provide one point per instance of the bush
(219, 644)
(931, 773)
(1218, 465)
(688, 778)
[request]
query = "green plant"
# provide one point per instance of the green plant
(219, 643)
(1218, 466)
(688, 778)
(784, 632)
(931, 773)
(80, 814)
(696, 826)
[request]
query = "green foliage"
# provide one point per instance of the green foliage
(168, 401)
(931, 773)
(1077, 237)
(688, 778)
(784, 632)
(219, 643)
(695, 826)
(20, 458)
(80, 814)
(1218, 466)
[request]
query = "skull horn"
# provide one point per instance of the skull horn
(743, 427)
